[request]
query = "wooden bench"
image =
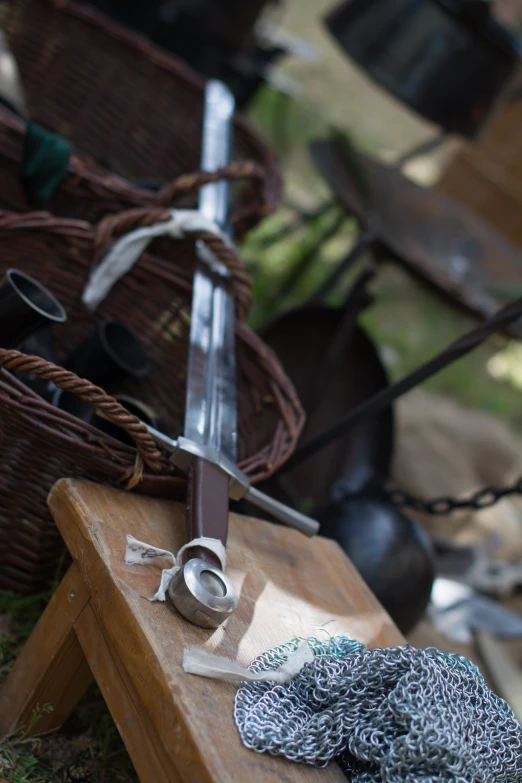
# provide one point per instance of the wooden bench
(100, 623)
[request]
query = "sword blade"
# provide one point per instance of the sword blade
(211, 414)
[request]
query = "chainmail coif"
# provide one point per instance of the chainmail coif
(388, 715)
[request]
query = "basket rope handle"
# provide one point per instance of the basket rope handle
(242, 219)
(185, 185)
(148, 453)
(188, 184)
(112, 227)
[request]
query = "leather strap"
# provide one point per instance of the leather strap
(207, 507)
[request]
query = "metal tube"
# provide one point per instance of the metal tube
(25, 307)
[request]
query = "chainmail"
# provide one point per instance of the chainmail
(387, 715)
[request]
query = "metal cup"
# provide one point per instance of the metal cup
(41, 344)
(203, 594)
(71, 403)
(25, 307)
(109, 355)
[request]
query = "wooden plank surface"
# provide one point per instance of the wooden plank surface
(289, 586)
(51, 668)
(486, 174)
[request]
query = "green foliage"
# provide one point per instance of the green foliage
(96, 754)
(407, 322)
(24, 611)
(22, 766)
(90, 741)
(19, 758)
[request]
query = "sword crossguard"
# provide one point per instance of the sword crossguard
(183, 451)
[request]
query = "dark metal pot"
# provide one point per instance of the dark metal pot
(108, 355)
(301, 339)
(344, 480)
(392, 553)
(449, 60)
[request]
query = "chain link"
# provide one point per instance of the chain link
(482, 498)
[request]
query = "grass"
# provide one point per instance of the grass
(96, 753)
(88, 748)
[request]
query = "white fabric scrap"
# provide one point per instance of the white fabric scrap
(139, 553)
(205, 664)
(125, 252)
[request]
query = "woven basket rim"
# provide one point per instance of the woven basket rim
(169, 63)
(267, 359)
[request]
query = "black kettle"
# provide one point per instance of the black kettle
(392, 553)
(448, 60)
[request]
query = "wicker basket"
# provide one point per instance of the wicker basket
(132, 112)
(40, 444)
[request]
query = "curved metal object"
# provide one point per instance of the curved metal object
(448, 60)
(202, 593)
(433, 237)
(110, 353)
(300, 339)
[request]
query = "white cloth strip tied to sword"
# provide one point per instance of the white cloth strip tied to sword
(200, 589)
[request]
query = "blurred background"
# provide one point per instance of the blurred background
(326, 88)
(398, 231)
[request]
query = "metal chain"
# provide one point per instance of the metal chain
(483, 498)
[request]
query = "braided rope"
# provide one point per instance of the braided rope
(114, 226)
(148, 452)
(187, 184)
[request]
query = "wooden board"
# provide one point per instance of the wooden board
(289, 586)
(51, 670)
(486, 175)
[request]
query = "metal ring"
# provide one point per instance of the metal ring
(203, 594)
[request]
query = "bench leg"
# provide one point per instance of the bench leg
(150, 759)
(51, 670)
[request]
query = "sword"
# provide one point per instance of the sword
(200, 590)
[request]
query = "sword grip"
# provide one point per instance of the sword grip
(207, 507)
